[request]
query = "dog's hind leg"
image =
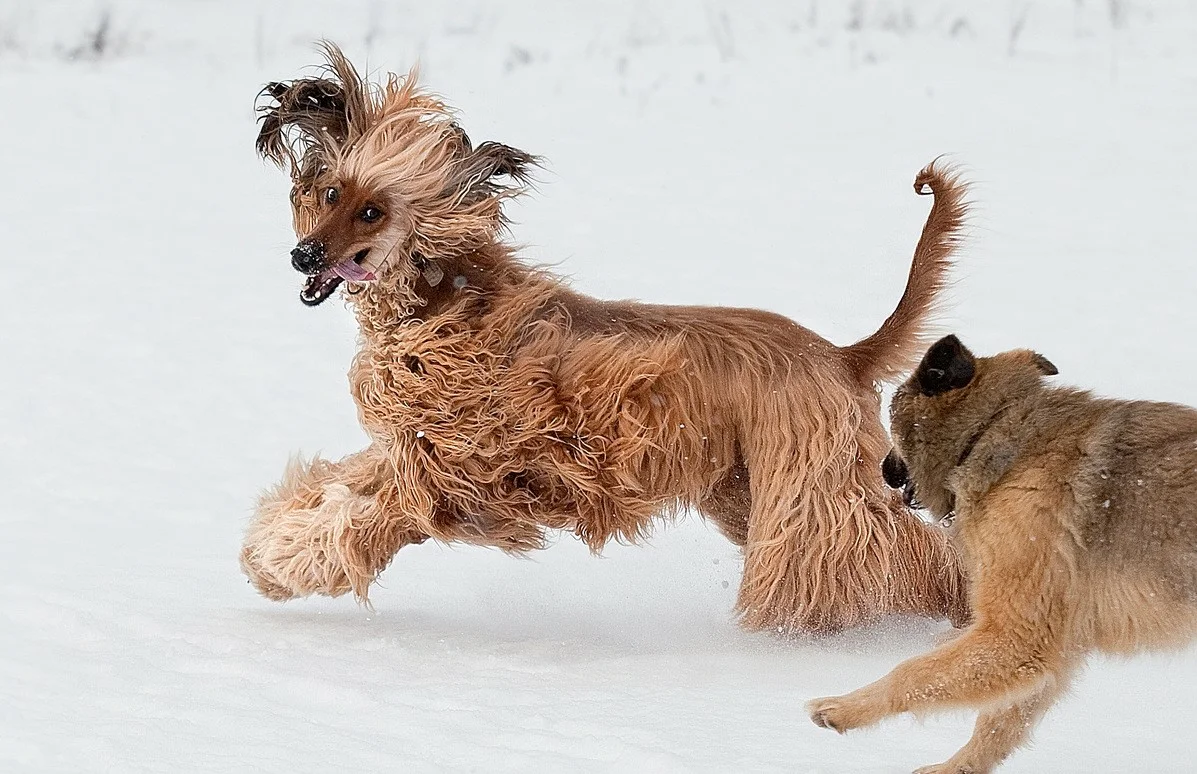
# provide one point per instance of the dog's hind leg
(1000, 732)
(926, 575)
(793, 579)
(805, 545)
(325, 529)
(827, 546)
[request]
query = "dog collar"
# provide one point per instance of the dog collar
(433, 274)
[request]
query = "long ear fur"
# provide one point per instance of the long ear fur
(476, 173)
(306, 120)
(314, 106)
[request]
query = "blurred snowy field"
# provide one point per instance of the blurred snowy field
(157, 368)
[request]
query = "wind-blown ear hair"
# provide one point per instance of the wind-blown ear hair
(475, 177)
(301, 123)
(397, 141)
(306, 121)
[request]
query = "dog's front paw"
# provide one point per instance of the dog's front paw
(828, 713)
(254, 569)
(296, 552)
(844, 713)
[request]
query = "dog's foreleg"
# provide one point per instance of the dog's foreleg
(1000, 732)
(982, 667)
(325, 529)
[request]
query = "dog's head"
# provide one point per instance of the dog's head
(942, 411)
(383, 179)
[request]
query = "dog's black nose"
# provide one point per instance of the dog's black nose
(893, 470)
(308, 256)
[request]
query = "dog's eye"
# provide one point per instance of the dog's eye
(371, 214)
(331, 195)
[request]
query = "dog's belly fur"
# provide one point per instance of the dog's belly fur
(1124, 613)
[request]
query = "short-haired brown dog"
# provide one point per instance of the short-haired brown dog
(1077, 520)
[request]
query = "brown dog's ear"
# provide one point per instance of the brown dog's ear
(305, 121)
(313, 107)
(476, 172)
(498, 159)
(948, 365)
(463, 139)
(1045, 366)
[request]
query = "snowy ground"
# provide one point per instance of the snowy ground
(158, 368)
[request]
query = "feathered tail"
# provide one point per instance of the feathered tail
(899, 343)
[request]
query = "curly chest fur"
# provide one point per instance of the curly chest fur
(511, 434)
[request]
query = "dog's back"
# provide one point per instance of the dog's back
(1136, 522)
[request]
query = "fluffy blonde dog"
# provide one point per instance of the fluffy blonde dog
(501, 405)
(1077, 518)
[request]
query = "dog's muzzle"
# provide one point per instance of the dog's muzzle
(894, 471)
(311, 258)
(897, 476)
(308, 256)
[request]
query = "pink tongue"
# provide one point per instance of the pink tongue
(353, 272)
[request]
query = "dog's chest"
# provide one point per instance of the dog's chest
(424, 388)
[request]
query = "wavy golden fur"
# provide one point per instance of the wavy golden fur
(502, 405)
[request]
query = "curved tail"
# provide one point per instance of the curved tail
(898, 344)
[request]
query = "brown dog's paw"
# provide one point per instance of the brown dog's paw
(947, 768)
(858, 709)
(839, 713)
(265, 585)
(823, 713)
(290, 552)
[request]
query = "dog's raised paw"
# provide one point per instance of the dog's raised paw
(296, 552)
(266, 585)
(852, 710)
(825, 713)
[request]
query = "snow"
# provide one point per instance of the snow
(159, 369)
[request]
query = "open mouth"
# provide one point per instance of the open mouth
(321, 285)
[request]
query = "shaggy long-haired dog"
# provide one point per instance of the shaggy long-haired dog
(502, 405)
(1077, 518)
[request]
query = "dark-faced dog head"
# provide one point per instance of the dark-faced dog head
(383, 179)
(943, 409)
